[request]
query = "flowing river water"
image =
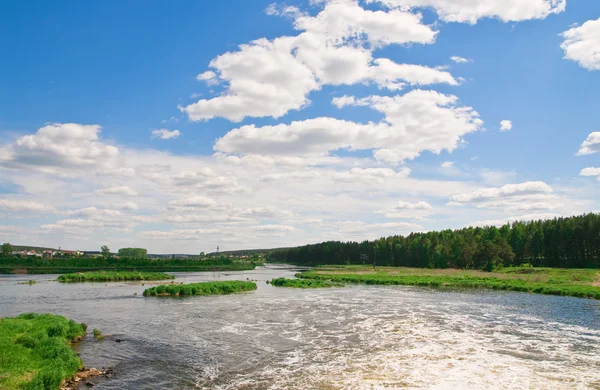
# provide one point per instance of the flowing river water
(357, 337)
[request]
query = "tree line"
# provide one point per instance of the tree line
(572, 242)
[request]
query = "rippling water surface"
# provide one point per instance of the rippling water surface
(358, 337)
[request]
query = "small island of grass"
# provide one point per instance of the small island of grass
(35, 351)
(204, 288)
(112, 276)
(304, 283)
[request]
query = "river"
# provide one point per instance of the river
(357, 337)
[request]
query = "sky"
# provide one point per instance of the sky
(183, 126)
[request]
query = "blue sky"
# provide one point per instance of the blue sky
(84, 84)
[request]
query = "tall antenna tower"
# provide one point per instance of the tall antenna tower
(217, 249)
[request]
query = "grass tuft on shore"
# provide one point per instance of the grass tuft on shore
(204, 288)
(112, 276)
(35, 351)
(568, 282)
(304, 283)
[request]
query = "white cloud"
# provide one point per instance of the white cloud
(24, 206)
(582, 44)
(377, 175)
(447, 164)
(93, 212)
(127, 206)
(590, 172)
(193, 202)
(470, 11)
(407, 210)
(179, 234)
(287, 176)
(117, 190)
(460, 60)
(271, 77)
(414, 122)
(506, 125)
(512, 197)
(591, 145)
(507, 191)
(60, 148)
(272, 228)
(209, 77)
(165, 134)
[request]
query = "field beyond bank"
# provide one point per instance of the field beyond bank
(583, 283)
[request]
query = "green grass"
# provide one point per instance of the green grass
(112, 276)
(581, 283)
(35, 351)
(205, 288)
(304, 283)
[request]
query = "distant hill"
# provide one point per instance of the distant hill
(243, 252)
(33, 248)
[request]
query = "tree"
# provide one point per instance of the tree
(105, 251)
(7, 249)
(134, 253)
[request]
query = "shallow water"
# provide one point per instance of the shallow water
(358, 337)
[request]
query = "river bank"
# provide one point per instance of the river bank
(36, 351)
(581, 283)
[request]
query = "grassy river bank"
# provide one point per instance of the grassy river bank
(583, 283)
(36, 353)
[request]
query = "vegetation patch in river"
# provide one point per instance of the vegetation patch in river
(204, 288)
(304, 283)
(571, 282)
(112, 276)
(36, 351)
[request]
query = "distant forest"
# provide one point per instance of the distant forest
(572, 242)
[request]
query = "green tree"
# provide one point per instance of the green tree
(105, 251)
(7, 249)
(134, 253)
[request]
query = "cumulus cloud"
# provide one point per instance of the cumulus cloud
(117, 190)
(447, 164)
(506, 125)
(407, 210)
(414, 122)
(582, 44)
(287, 176)
(591, 145)
(512, 197)
(165, 134)
(24, 206)
(507, 191)
(60, 148)
(377, 175)
(93, 212)
(127, 206)
(460, 60)
(470, 11)
(590, 172)
(179, 234)
(271, 77)
(193, 202)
